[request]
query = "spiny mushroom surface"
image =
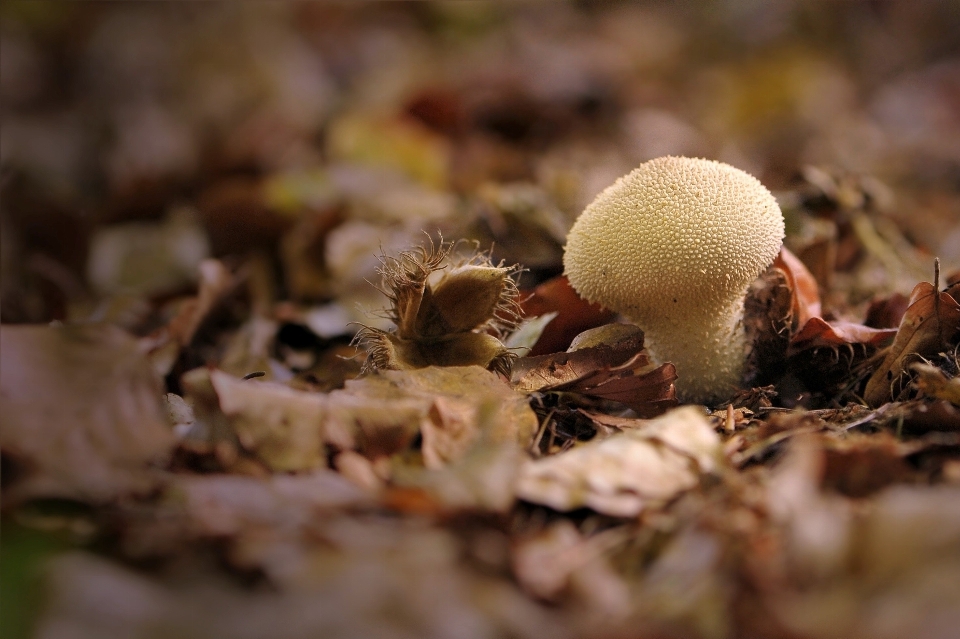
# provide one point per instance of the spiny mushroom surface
(673, 246)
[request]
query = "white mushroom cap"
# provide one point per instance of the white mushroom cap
(673, 246)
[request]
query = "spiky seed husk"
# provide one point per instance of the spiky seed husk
(441, 318)
(465, 298)
(388, 351)
(404, 281)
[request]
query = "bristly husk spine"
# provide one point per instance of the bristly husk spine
(445, 314)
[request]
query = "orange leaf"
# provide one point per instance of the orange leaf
(574, 314)
(811, 330)
(818, 333)
(805, 302)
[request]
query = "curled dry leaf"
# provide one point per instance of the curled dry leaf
(819, 333)
(930, 324)
(574, 314)
(810, 330)
(623, 474)
(604, 363)
(805, 302)
(83, 416)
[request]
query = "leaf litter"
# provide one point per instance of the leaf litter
(249, 390)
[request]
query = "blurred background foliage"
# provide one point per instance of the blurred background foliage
(241, 121)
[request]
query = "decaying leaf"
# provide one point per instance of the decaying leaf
(284, 427)
(483, 480)
(626, 472)
(934, 383)
(455, 407)
(217, 506)
(82, 411)
(559, 561)
(819, 333)
(574, 314)
(810, 330)
(930, 324)
(287, 429)
(805, 302)
(605, 363)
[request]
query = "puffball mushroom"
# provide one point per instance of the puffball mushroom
(673, 246)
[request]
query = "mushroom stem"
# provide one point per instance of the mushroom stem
(708, 349)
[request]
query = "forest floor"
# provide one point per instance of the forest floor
(287, 349)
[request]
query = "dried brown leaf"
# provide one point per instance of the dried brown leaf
(819, 333)
(451, 407)
(82, 414)
(229, 505)
(930, 324)
(609, 363)
(860, 465)
(559, 561)
(282, 426)
(626, 472)
(481, 480)
(805, 301)
(574, 314)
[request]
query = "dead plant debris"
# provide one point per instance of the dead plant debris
(249, 390)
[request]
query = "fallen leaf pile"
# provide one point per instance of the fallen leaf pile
(287, 350)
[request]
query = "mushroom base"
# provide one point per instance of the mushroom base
(707, 346)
